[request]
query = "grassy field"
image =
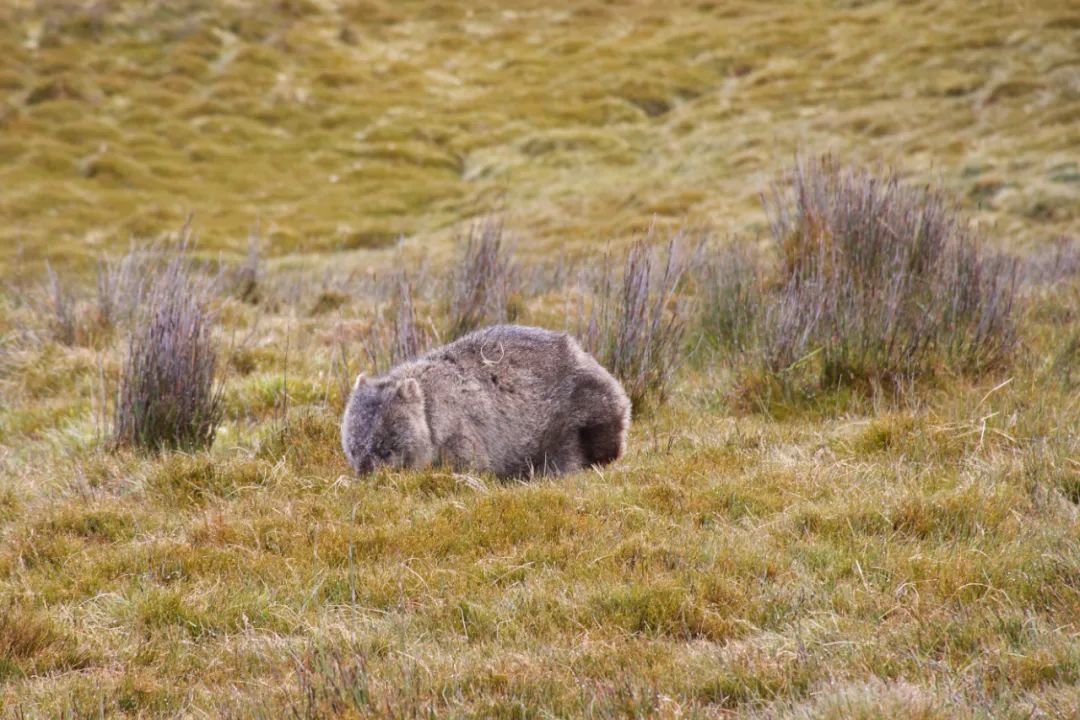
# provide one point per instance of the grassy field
(843, 550)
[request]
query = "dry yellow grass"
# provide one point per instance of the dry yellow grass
(865, 557)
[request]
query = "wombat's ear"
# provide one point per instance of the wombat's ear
(360, 380)
(409, 390)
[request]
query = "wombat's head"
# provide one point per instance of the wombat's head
(385, 424)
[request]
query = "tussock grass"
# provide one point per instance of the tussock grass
(122, 285)
(868, 283)
(1055, 264)
(63, 324)
(637, 320)
(401, 335)
(731, 282)
(243, 280)
(887, 274)
(169, 394)
(483, 282)
(31, 643)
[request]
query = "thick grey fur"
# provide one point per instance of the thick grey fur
(510, 400)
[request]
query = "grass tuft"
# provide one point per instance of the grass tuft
(870, 283)
(1060, 262)
(889, 279)
(329, 683)
(245, 278)
(62, 319)
(168, 396)
(31, 643)
(483, 281)
(635, 324)
(122, 285)
(731, 286)
(401, 336)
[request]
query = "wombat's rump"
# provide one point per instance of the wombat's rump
(507, 399)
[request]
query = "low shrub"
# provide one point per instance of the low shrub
(635, 324)
(168, 395)
(482, 284)
(60, 310)
(399, 336)
(868, 282)
(122, 284)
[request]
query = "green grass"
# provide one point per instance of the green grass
(341, 126)
(855, 555)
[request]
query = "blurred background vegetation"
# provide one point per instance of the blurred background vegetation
(336, 126)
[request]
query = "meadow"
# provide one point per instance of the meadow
(873, 513)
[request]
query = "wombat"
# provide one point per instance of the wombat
(510, 400)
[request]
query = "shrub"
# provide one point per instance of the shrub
(62, 320)
(246, 278)
(168, 396)
(1060, 262)
(401, 337)
(730, 283)
(121, 285)
(884, 278)
(483, 282)
(636, 324)
(872, 282)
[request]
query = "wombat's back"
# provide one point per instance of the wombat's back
(494, 395)
(510, 363)
(546, 350)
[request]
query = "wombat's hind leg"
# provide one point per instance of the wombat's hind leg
(602, 425)
(563, 457)
(601, 443)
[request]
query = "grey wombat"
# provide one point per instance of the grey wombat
(507, 399)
